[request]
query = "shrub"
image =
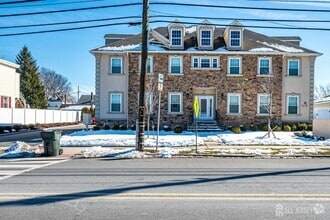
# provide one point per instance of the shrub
(166, 128)
(106, 127)
(253, 127)
(178, 129)
(115, 126)
(293, 127)
(277, 128)
(244, 127)
(310, 127)
(287, 128)
(302, 127)
(96, 128)
(264, 128)
(236, 130)
(122, 127)
(133, 127)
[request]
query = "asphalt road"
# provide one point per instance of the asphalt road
(33, 137)
(186, 188)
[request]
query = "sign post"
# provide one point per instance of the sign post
(160, 89)
(196, 115)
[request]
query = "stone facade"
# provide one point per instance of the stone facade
(197, 81)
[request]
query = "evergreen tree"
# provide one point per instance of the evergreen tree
(30, 83)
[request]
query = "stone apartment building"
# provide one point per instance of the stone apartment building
(238, 75)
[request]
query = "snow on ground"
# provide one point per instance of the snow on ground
(170, 139)
(282, 139)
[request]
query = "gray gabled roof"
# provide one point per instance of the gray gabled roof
(252, 42)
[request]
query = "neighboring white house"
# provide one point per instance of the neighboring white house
(54, 103)
(9, 84)
(322, 108)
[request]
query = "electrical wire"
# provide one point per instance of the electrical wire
(50, 4)
(157, 21)
(241, 7)
(72, 10)
(18, 2)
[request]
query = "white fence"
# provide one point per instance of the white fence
(37, 116)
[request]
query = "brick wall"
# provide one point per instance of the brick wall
(249, 85)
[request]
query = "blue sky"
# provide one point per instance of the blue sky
(67, 52)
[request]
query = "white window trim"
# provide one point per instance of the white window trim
(200, 63)
(121, 65)
(169, 102)
(258, 103)
(121, 102)
(270, 66)
(211, 38)
(181, 40)
(288, 68)
(240, 66)
(170, 64)
(239, 103)
(240, 38)
(298, 104)
(151, 65)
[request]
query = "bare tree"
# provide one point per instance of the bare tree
(151, 98)
(267, 105)
(56, 84)
(322, 91)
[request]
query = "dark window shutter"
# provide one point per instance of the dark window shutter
(9, 102)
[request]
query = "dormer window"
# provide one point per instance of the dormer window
(176, 37)
(235, 38)
(206, 38)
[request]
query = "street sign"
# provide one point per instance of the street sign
(196, 107)
(160, 82)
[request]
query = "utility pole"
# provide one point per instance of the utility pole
(78, 94)
(144, 58)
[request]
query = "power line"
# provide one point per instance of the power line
(165, 16)
(167, 3)
(64, 29)
(49, 4)
(291, 1)
(18, 2)
(71, 10)
(241, 7)
(158, 21)
(69, 22)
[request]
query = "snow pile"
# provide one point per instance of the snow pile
(20, 149)
(256, 138)
(99, 151)
(282, 47)
(120, 48)
(262, 49)
(127, 139)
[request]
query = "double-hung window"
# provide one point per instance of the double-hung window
(205, 62)
(149, 65)
(264, 66)
(175, 102)
(116, 65)
(176, 37)
(206, 38)
(292, 104)
(234, 103)
(175, 65)
(116, 101)
(264, 103)
(235, 38)
(293, 67)
(5, 102)
(234, 64)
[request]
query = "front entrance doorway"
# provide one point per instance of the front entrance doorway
(206, 104)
